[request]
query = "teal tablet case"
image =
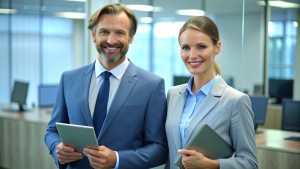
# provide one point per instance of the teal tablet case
(77, 136)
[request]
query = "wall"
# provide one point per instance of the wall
(242, 61)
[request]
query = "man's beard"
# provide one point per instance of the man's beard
(117, 58)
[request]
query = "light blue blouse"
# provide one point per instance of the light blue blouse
(192, 104)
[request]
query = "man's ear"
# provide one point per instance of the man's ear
(94, 38)
(131, 39)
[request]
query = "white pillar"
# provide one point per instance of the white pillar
(297, 63)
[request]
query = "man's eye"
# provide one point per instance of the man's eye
(103, 32)
(120, 33)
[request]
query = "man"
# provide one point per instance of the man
(133, 134)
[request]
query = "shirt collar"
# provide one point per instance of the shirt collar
(118, 71)
(205, 89)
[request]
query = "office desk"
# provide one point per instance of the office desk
(22, 143)
(22, 140)
(273, 152)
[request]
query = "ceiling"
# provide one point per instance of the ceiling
(168, 12)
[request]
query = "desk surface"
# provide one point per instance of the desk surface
(37, 115)
(270, 139)
(274, 140)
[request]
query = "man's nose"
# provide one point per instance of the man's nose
(111, 39)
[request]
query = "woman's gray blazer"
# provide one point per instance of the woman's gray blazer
(227, 111)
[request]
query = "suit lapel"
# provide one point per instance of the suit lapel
(84, 88)
(126, 85)
(177, 108)
(208, 104)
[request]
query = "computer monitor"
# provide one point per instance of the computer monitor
(178, 80)
(280, 89)
(47, 95)
(259, 108)
(19, 94)
(290, 115)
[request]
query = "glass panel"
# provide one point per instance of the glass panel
(291, 28)
(62, 38)
(276, 29)
(228, 16)
(25, 45)
(282, 43)
(38, 44)
(282, 48)
(140, 49)
(4, 54)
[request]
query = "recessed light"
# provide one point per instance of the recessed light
(71, 15)
(279, 4)
(190, 12)
(145, 8)
(146, 20)
(76, 0)
(7, 11)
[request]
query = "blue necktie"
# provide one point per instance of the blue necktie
(101, 103)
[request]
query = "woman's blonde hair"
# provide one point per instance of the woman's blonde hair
(207, 26)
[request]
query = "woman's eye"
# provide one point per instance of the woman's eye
(201, 47)
(185, 48)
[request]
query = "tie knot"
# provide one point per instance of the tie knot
(106, 75)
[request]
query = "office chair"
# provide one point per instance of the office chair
(291, 117)
(259, 107)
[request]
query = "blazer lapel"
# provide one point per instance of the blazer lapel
(84, 88)
(126, 85)
(177, 108)
(208, 104)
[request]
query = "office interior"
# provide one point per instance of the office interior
(40, 39)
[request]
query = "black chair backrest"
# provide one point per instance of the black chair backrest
(290, 115)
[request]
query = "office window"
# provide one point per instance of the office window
(57, 48)
(282, 49)
(139, 50)
(156, 48)
(38, 43)
(167, 59)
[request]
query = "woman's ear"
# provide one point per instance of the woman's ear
(218, 48)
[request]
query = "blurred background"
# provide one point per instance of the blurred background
(40, 39)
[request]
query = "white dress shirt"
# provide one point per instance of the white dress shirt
(97, 79)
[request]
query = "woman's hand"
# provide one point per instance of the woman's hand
(192, 159)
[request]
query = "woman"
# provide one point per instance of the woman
(207, 99)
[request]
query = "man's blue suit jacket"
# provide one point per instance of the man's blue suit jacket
(134, 125)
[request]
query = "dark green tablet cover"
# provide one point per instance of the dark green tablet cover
(209, 143)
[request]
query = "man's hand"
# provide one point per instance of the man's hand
(67, 154)
(103, 158)
(192, 159)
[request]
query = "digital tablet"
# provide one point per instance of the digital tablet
(209, 143)
(77, 136)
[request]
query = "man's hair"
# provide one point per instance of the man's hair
(112, 9)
